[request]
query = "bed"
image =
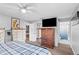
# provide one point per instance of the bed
(19, 48)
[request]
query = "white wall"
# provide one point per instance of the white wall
(75, 38)
(23, 24)
(5, 22)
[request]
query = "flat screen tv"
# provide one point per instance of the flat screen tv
(51, 22)
(78, 14)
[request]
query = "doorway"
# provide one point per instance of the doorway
(27, 33)
(64, 32)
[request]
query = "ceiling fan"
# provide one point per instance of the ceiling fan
(26, 7)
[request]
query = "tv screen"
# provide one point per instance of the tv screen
(78, 14)
(49, 22)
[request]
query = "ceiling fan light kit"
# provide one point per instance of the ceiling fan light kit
(23, 10)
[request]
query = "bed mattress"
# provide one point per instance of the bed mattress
(19, 48)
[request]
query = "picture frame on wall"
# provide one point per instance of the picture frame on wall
(15, 23)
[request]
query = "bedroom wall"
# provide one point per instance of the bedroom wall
(23, 24)
(5, 22)
(75, 38)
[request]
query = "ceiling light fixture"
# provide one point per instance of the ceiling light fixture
(23, 10)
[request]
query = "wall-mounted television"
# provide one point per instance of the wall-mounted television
(51, 22)
(78, 14)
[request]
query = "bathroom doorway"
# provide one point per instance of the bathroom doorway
(64, 30)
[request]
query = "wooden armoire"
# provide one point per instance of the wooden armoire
(48, 37)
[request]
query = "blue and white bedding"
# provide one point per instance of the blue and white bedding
(18, 48)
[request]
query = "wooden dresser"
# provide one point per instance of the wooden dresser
(48, 37)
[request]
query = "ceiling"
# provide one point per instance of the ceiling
(39, 10)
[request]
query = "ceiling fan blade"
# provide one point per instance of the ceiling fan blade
(33, 11)
(29, 5)
(20, 5)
